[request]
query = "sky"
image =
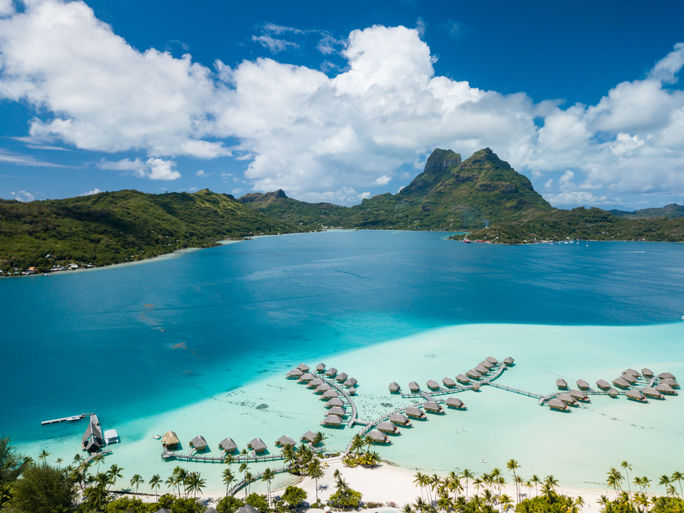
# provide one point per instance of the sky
(340, 101)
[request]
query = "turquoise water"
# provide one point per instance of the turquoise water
(195, 343)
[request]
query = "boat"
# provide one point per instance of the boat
(157, 436)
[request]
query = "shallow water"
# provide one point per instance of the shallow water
(196, 343)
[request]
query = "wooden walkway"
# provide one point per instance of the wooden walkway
(239, 486)
(249, 458)
(487, 380)
(353, 419)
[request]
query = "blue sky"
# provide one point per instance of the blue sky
(339, 102)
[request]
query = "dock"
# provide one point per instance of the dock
(353, 419)
(72, 418)
(199, 458)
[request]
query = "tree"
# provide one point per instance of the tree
(268, 476)
(228, 478)
(126, 505)
(293, 496)
(627, 467)
(43, 456)
(195, 483)
(229, 504)
(513, 465)
(43, 489)
(550, 484)
(114, 472)
(186, 505)
(614, 479)
(155, 483)
(421, 480)
(315, 471)
(11, 467)
(318, 439)
(258, 501)
(248, 479)
(677, 476)
(345, 498)
(467, 475)
(136, 481)
(665, 481)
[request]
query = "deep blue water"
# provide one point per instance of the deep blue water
(132, 341)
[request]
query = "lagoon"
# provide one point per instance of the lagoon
(196, 342)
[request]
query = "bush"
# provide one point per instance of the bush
(187, 506)
(166, 501)
(127, 505)
(668, 505)
(229, 504)
(43, 489)
(257, 501)
(345, 498)
(547, 503)
(293, 496)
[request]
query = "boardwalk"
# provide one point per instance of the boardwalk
(345, 393)
(498, 370)
(516, 390)
(244, 458)
(239, 486)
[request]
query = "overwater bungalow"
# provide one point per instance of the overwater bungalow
(473, 374)
(285, 441)
(320, 368)
(228, 445)
(329, 394)
(170, 440)
(475, 387)
(603, 384)
(561, 384)
(629, 378)
(337, 410)
(294, 374)
(491, 359)
(303, 367)
(669, 381)
(635, 395)
(309, 437)
(387, 427)
(332, 421)
(557, 404)
(394, 387)
(350, 382)
(352, 391)
(377, 437)
(341, 377)
(415, 412)
(487, 365)
(335, 401)
(257, 445)
(306, 377)
(432, 384)
(579, 395)
(482, 369)
(567, 399)
(399, 419)
(331, 372)
(652, 393)
(414, 387)
(612, 393)
(508, 361)
(320, 389)
(664, 375)
(621, 383)
(92, 440)
(633, 372)
(647, 373)
(315, 383)
(199, 443)
(665, 389)
(462, 378)
(455, 402)
(448, 382)
(432, 407)
(582, 385)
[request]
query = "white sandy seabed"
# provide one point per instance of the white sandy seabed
(577, 448)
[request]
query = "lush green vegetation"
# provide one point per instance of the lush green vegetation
(672, 210)
(123, 226)
(360, 454)
(581, 223)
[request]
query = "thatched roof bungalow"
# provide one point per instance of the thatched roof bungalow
(351, 382)
(508, 361)
(303, 367)
(320, 389)
(400, 419)
(285, 441)
(652, 393)
(473, 374)
(603, 384)
(491, 359)
(387, 427)
(482, 369)
(462, 378)
(309, 437)
(582, 385)
(414, 387)
(332, 421)
(294, 374)
(663, 375)
(335, 401)
(329, 394)
(561, 384)
(306, 377)
(475, 387)
(621, 383)
(579, 395)
(612, 393)
(394, 387)
(432, 407)
(448, 382)
(567, 399)
(377, 437)
(320, 368)
(669, 381)
(665, 389)
(170, 440)
(199, 443)
(228, 445)
(414, 412)
(315, 383)
(635, 395)
(432, 384)
(647, 373)
(331, 372)
(455, 402)
(341, 377)
(257, 445)
(337, 410)
(487, 365)
(557, 404)
(633, 372)
(629, 378)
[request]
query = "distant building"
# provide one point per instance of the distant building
(93, 440)
(111, 437)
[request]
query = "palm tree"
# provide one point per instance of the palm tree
(506, 502)
(467, 474)
(268, 475)
(248, 481)
(407, 508)
(513, 465)
(114, 473)
(627, 468)
(453, 483)
(155, 483)
(77, 459)
(228, 478)
(136, 481)
(98, 458)
(665, 481)
(172, 482)
(59, 462)
(678, 476)
(535, 481)
(420, 479)
(318, 439)
(614, 479)
(245, 471)
(550, 484)
(315, 470)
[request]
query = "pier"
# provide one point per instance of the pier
(342, 390)
(199, 458)
(72, 418)
(428, 396)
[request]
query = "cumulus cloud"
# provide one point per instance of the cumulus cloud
(22, 196)
(6, 7)
(91, 192)
(153, 168)
(273, 44)
(201, 173)
(327, 137)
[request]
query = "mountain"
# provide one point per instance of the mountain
(449, 194)
(306, 216)
(670, 211)
(121, 226)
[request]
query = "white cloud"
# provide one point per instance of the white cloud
(383, 180)
(24, 160)
(273, 44)
(91, 192)
(6, 7)
(152, 168)
(320, 136)
(574, 198)
(201, 173)
(22, 196)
